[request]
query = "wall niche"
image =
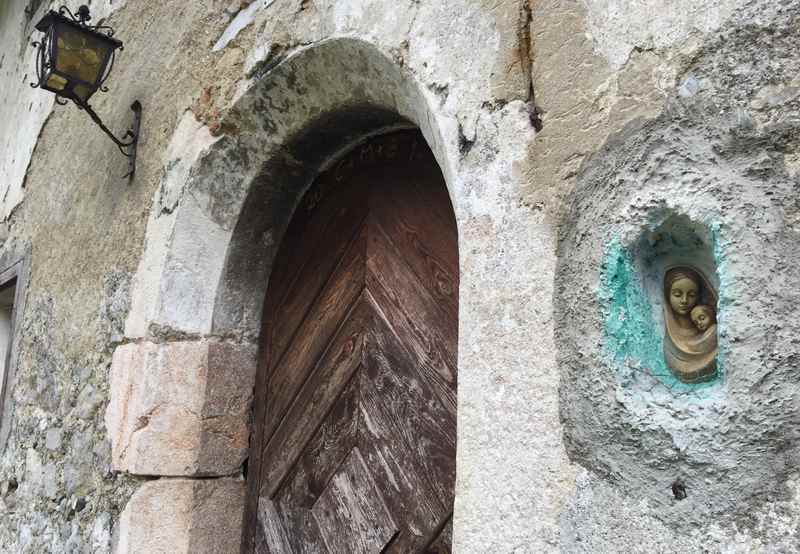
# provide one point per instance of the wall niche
(663, 313)
(726, 440)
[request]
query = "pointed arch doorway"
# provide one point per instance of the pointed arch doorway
(355, 404)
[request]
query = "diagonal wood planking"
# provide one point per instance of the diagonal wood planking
(354, 446)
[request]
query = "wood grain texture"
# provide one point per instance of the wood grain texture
(324, 241)
(443, 541)
(403, 210)
(398, 472)
(320, 460)
(412, 312)
(314, 334)
(356, 390)
(325, 452)
(423, 424)
(271, 537)
(317, 396)
(351, 514)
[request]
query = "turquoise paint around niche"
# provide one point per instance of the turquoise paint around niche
(722, 296)
(630, 328)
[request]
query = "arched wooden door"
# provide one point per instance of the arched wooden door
(355, 433)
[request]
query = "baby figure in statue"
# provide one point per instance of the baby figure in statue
(703, 317)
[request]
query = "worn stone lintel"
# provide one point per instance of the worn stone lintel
(180, 408)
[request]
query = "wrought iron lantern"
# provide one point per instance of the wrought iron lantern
(73, 61)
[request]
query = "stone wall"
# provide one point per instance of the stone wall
(566, 131)
(83, 226)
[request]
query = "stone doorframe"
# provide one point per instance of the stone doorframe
(181, 385)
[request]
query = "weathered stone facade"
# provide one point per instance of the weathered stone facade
(567, 133)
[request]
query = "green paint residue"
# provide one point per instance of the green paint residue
(722, 298)
(630, 328)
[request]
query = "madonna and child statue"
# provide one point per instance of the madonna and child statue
(690, 334)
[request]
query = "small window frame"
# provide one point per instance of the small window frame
(13, 274)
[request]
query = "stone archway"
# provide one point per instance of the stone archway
(181, 387)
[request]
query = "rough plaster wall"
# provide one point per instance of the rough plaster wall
(618, 28)
(583, 98)
(722, 152)
(596, 67)
(85, 227)
(24, 110)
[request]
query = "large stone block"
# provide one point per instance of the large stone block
(183, 515)
(180, 408)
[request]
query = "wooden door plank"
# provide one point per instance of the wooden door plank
(339, 208)
(271, 537)
(304, 537)
(397, 473)
(411, 311)
(312, 216)
(351, 514)
(341, 218)
(310, 475)
(425, 425)
(316, 331)
(389, 266)
(443, 543)
(325, 451)
(429, 246)
(318, 394)
(427, 175)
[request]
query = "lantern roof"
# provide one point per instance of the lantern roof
(52, 17)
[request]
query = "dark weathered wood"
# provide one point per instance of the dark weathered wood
(356, 387)
(403, 211)
(323, 455)
(398, 473)
(300, 247)
(423, 423)
(326, 450)
(442, 544)
(414, 315)
(351, 514)
(319, 394)
(322, 321)
(271, 537)
(342, 217)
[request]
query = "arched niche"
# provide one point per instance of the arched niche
(651, 200)
(633, 281)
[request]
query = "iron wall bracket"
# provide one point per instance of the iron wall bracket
(130, 140)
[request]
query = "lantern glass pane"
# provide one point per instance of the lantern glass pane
(56, 82)
(79, 54)
(83, 92)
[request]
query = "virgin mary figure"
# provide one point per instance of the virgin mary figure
(690, 335)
